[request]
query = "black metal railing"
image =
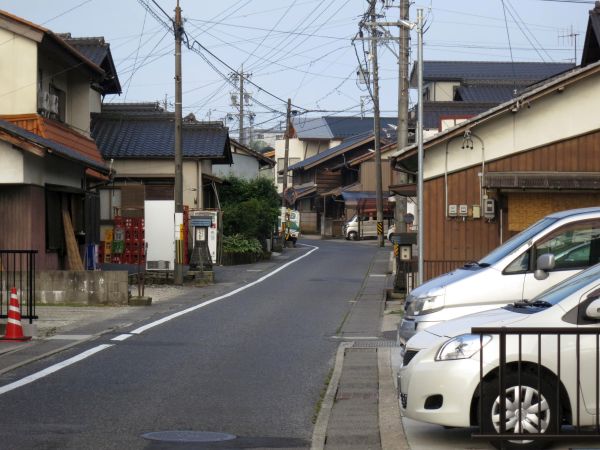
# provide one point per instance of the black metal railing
(17, 270)
(559, 377)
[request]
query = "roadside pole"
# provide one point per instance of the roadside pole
(178, 219)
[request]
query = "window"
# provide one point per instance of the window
(110, 203)
(574, 246)
(57, 103)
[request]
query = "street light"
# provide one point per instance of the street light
(419, 27)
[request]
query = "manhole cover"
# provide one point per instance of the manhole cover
(188, 436)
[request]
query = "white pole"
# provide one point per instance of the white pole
(421, 226)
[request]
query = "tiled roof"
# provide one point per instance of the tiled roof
(59, 133)
(487, 72)
(311, 128)
(485, 94)
(152, 135)
(333, 151)
(98, 51)
(336, 127)
(344, 127)
(434, 112)
(58, 149)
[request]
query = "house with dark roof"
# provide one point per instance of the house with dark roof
(139, 141)
(246, 164)
(494, 174)
(454, 91)
(329, 186)
(310, 136)
(50, 163)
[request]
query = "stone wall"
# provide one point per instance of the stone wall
(86, 288)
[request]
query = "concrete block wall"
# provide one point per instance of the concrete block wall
(86, 288)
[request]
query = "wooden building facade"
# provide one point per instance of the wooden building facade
(495, 174)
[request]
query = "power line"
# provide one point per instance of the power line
(270, 31)
(66, 12)
(511, 7)
(509, 46)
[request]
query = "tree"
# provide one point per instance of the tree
(250, 207)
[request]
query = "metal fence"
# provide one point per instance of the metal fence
(546, 384)
(17, 270)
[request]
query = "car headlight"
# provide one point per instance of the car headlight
(425, 305)
(462, 347)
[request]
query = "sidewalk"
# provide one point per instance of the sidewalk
(360, 410)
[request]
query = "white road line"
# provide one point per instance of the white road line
(121, 337)
(55, 368)
(140, 330)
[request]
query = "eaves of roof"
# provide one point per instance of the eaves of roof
(345, 146)
(552, 85)
(152, 136)
(50, 146)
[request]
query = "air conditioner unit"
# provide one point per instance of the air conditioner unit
(53, 103)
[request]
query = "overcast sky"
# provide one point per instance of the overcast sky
(299, 49)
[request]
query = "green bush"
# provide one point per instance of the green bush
(240, 244)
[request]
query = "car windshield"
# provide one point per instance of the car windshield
(563, 290)
(516, 241)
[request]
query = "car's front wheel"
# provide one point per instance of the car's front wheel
(353, 236)
(530, 409)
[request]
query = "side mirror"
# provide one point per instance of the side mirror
(544, 263)
(593, 310)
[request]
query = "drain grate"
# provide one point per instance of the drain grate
(188, 436)
(375, 344)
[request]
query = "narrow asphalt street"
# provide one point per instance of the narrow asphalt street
(253, 365)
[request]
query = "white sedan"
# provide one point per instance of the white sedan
(440, 377)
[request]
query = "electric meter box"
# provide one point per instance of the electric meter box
(489, 208)
(452, 210)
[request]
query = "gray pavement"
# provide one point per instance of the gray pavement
(360, 409)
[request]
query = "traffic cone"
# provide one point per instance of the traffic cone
(14, 330)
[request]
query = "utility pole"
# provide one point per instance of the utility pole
(287, 151)
(242, 105)
(402, 133)
(376, 126)
(179, 242)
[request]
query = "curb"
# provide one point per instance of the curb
(320, 430)
(390, 422)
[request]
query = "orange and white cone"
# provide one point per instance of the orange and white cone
(14, 330)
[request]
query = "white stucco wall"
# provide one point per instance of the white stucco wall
(166, 168)
(12, 163)
(21, 167)
(78, 102)
(18, 74)
(442, 91)
(299, 149)
(244, 166)
(556, 116)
